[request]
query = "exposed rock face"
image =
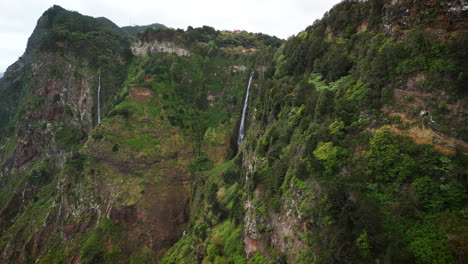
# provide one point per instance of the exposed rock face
(140, 48)
(448, 15)
(237, 68)
(53, 101)
(284, 225)
(55, 92)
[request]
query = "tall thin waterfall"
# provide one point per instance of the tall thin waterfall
(99, 100)
(241, 134)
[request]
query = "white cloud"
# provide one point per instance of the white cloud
(275, 17)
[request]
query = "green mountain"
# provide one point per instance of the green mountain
(134, 30)
(355, 146)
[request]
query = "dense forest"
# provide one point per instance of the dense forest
(355, 148)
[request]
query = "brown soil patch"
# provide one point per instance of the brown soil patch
(252, 245)
(362, 27)
(412, 99)
(413, 82)
(55, 113)
(140, 94)
(402, 116)
(421, 135)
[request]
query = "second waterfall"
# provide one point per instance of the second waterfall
(241, 133)
(99, 101)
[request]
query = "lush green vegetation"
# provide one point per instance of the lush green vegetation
(13, 101)
(68, 137)
(336, 166)
(134, 30)
(99, 40)
(379, 193)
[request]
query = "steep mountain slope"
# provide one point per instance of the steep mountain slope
(48, 106)
(77, 191)
(355, 149)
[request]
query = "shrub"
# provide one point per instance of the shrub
(41, 173)
(68, 137)
(362, 243)
(385, 160)
(336, 128)
(428, 193)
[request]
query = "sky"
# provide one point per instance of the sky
(281, 18)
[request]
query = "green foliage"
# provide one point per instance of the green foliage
(427, 244)
(259, 259)
(68, 137)
(134, 30)
(181, 252)
(55, 256)
(326, 151)
(227, 243)
(13, 100)
(145, 256)
(428, 193)
(202, 163)
(41, 172)
(386, 161)
(363, 246)
(335, 63)
(383, 198)
(434, 196)
(83, 36)
(145, 141)
(317, 81)
(425, 54)
(115, 148)
(92, 250)
(208, 41)
(331, 156)
(156, 179)
(336, 128)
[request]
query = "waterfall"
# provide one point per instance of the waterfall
(241, 134)
(99, 100)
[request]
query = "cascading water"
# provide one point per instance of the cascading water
(241, 134)
(99, 100)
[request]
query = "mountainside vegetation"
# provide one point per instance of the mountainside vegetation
(355, 149)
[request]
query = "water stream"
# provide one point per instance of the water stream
(99, 100)
(241, 134)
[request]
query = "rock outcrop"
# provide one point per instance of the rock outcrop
(142, 48)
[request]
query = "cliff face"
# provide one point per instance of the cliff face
(355, 149)
(145, 48)
(324, 189)
(76, 191)
(48, 105)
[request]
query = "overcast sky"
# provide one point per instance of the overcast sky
(281, 18)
